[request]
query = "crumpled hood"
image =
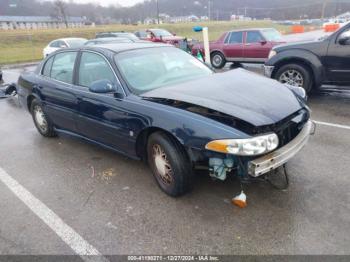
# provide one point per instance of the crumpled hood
(244, 95)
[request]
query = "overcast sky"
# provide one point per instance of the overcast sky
(108, 2)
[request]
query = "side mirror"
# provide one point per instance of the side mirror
(344, 39)
(263, 42)
(63, 46)
(102, 87)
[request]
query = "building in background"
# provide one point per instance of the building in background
(38, 22)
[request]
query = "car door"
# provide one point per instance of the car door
(256, 48)
(233, 46)
(337, 61)
(102, 117)
(56, 90)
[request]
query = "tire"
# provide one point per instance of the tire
(41, 121)
(218, 60)
(169, 164)
(298, 74)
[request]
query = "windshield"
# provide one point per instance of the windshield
(160, 33)
(73, 43)
(152, 68)
(272, 35)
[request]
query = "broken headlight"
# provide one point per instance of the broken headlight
(245, 147)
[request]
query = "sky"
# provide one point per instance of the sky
(108, 2)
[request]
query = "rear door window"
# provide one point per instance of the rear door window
(63, 67)
(235, 38)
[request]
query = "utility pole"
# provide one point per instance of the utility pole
(325, 2)
(158, 12)
(209, 9)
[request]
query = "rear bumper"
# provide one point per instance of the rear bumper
(281, 156)
(268, 71)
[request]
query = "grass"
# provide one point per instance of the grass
(26, 45)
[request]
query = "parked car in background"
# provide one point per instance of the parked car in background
(160, 35)
(1, 79)
(311, 64)
(122, 34)
(107, 40)
(242, 46)
(157, 103)
(63, 43)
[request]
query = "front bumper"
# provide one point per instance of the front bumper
(268, 71)
(281, 156)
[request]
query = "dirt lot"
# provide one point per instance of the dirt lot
(111, 205)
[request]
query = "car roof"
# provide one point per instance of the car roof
(109, 39)
(71, 38)
(252, 29)
(121, 47)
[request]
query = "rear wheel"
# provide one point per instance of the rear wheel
(42, 123)
(169, 164)
(218, 60)
(295, 75)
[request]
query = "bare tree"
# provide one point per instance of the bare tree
(60, 11)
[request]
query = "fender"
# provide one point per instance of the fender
(305, 56)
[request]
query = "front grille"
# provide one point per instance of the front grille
(289, 129)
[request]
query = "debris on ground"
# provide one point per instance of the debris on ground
(8, 90)
(108, 174)
(240, 200)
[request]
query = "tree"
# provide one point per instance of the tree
(60, 11)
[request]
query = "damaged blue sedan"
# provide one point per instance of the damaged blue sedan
(157, 103)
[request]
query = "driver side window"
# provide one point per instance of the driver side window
(253, 37)
(94, 67)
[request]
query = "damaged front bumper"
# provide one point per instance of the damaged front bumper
(271, 161)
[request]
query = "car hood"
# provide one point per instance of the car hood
(244, 95)
(309, 45)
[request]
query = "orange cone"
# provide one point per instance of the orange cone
(240, 200)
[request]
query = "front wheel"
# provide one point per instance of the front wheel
(295, 75)
(169, 164)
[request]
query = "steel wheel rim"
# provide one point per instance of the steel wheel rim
(217, 60)
(40, 119)
(292, 77)
(162, 165)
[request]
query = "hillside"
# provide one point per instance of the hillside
(218, 9)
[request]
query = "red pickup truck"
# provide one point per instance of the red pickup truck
(242, 46)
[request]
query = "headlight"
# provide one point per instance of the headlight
(245, 147)
(272, 54)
